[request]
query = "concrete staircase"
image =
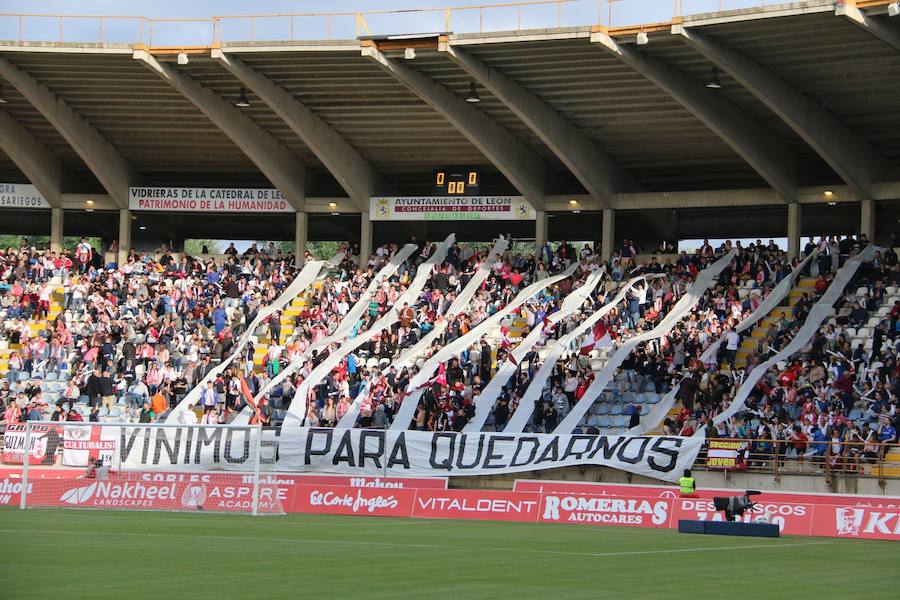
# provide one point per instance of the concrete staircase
(804, 285)
(261, 348)
(35, 326)
(891, 466)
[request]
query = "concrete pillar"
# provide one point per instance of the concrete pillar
(541, 230)
(301, 237)
(793, 230)
(608, 234)
(56, 229)
(124, 235)
(365, 239)
(867, 219)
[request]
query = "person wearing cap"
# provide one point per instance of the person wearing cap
(687, 485)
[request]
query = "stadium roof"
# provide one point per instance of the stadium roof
(808, 97)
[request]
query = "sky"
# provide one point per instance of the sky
(569, 13)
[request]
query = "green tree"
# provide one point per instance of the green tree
(195, 246)
(285, 247)
(43, 241)
(323, 250)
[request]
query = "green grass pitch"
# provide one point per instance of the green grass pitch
(109, 554)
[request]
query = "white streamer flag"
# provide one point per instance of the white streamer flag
(774, 299)
(347, 322)
(822, 309)
(536, 388)
(303, 280)
(404, 415)
(704, 279)
(492, 390)
(410, 296)
(459, 305)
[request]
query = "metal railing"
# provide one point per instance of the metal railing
(784, 457)
(509, 16)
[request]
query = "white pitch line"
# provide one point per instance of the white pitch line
(400, 545)
(702, 549)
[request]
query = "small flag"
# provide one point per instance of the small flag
(597, 339)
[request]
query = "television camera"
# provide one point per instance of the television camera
(736, 506)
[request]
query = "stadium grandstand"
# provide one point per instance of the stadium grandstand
(523, 223)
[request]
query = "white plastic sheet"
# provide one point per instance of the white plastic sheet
(684, 305)
(774, 299)
(822, 309)
(304, 278)
(536, 388)
(459, 304)
(408, 407)
(493, 388)
(410, 296)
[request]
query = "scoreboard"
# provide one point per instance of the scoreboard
(457, 181)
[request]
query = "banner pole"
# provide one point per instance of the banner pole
(256, 469)
(26, 458)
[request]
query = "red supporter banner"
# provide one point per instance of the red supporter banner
(44, 442)
(477, 504)
(728, 455)
(341, 500)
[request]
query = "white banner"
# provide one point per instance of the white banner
(303, 280)
(536, 388)
(704, 280)
(370, 452)
(450, 208)
(492, 390)
(772, 300)
(820, 311)
(298, 407)
(21, 195)
(208, 200)
(409, 356)
(411, 297)
(83, 444)
(407, 408)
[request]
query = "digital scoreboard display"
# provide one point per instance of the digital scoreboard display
(457, 181)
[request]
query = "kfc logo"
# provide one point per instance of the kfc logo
(848, 520)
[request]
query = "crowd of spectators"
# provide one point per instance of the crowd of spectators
(131, 340)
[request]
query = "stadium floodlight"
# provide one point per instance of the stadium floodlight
(242, 101)
(714, 83)
(183, 58)
(2, 96)
(473, 98)
(642, 38)
(409, 53)
(894, 9)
